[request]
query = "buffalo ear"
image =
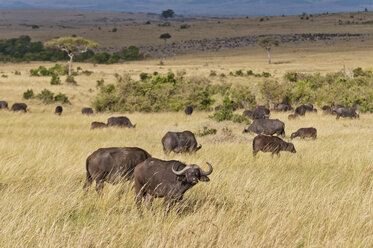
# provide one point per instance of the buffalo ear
(204, 179)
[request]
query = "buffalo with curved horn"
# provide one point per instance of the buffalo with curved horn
(168, 179)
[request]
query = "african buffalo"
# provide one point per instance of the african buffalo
(168, 179)
(248, 113)
(267, 126)
(3, 105)
(19, 107)
(96, 124)
(347, 112)
(310, 132)
(301, 110)
(180, 142)
(120, 121)
(188, 110)
(217, 108)
(113, 165)
(326, 109)
(272, 144)
(284, 107)
(261, 112)
(87, 111)
(293, 117)
(58, 110)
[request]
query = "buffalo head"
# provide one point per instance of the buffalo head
(192, 173)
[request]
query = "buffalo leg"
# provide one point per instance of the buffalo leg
(99, 186)
(140, 193)
(87, 183)
(149, 201)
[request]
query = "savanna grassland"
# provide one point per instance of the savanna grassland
(321, 196)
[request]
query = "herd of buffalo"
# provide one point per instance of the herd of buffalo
(171, 179)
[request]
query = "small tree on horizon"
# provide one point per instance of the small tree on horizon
(165, 37)
(267, 43)
(72, 46)
(169, 13)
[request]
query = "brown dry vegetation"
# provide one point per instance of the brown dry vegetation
(319, 197)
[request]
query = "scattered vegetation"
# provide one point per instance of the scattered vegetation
(225, 113)
(47, 97)
(206, 131)
(71, 80)
(28, 94)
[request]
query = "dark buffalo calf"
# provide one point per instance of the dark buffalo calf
(293, 117)
(168, 179)
(3, 105)
(87, 111)
(19, 107)
(188, 110)
(308, 132)
(96, 124)
(326, 109)
(283, 107)
(58, 110)
(272, 144)
(113, 165)
(120, 121)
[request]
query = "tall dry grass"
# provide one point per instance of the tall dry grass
(319, 197)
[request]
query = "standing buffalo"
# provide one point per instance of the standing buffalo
(267, 126)
(19, 107)
(3, 105)
(310, 132)
(58, 110)
(347, 112)
(96, 124)
(301, 110)
(168, 179)
(120, 121)
(284, 107)
(180, 142)
(326, 109)
(188, 110)
(113, 165)
(261, 112)
(272, 144)
(87, 111)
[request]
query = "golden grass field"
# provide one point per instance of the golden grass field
(322, 196)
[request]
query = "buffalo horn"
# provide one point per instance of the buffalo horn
(204, 173)
(180, 172)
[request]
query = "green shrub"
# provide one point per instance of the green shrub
(206, 131)
(250, 73)
(87, 73)
(239, 73)
(144, 76)
(55, 80)
(28, 94)
(226, 113)
(71, 80)
(46, 96)
(62, 98)
(100, 83)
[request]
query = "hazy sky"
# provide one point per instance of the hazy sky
(213, 7)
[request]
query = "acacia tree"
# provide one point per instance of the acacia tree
(167, 14)
(165, 37)
(72, 46)
(267, 43)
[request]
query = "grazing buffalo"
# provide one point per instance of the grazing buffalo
(284, 107)
(19, 107)
(97, 124)
(168, 179)
(113, 165)
(120, 121)
(346, 112)
(309, 106)
(307, 132)
(272, 144)
(261, 112)
(293, 117)
(334, 109)
(248, 113)
(3, 105)
(87, 111)
(188, 110)
(180, 142)
(267, 126)
(58, 110)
